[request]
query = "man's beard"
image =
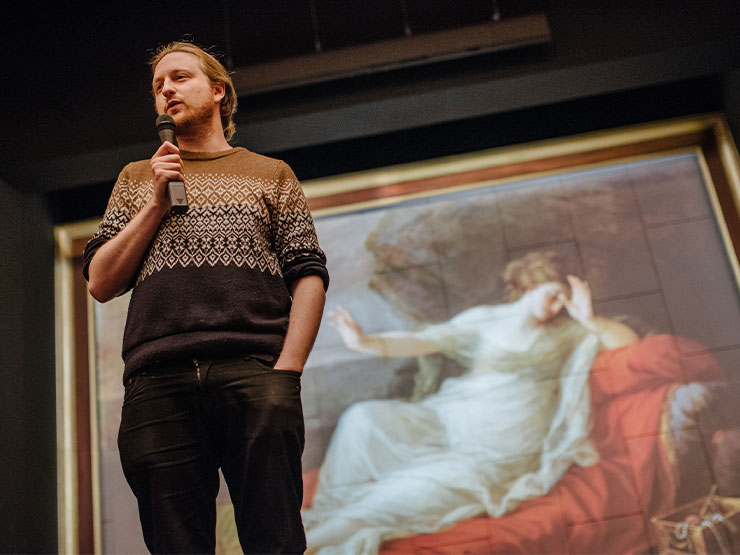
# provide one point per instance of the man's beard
(195, 122)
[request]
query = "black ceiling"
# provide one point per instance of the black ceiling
(75, 77)
(67, 65)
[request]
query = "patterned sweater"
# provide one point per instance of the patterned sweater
(216, 280)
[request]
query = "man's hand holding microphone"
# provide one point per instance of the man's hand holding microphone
(168, 170)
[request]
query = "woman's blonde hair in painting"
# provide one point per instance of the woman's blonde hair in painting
(530, 271)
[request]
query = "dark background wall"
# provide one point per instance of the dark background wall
(27, 397)
(76, 108)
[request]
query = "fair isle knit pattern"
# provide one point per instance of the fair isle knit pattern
(228, 222)
(247, 234)
(220, 235)
(232, 227)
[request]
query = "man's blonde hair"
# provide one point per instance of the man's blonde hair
(215, 72)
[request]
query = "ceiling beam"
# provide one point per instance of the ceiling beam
(389, 111)
(393, 54)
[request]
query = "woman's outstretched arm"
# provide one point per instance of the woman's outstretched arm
(387, 344)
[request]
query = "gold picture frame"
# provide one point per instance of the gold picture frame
(707, 136)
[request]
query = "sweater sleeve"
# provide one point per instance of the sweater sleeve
(293, 232)
(117, 214)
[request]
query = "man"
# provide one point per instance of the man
(226, 303)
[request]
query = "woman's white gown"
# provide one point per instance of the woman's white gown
(503, 433)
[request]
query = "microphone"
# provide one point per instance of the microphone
(175, 189)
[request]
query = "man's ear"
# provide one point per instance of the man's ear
(219, 91)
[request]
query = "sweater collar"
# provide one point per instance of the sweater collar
(188, 155)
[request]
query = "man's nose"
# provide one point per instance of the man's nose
(168, 87)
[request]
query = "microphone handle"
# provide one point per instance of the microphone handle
(177, 197)
(175, 189)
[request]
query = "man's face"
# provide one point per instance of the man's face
(183, 91)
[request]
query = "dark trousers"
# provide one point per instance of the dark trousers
(180, 424)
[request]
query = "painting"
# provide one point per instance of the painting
(531, 349)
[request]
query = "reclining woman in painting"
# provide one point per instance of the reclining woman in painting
(504, 432)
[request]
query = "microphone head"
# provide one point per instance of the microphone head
(166, 128)
(165, 121)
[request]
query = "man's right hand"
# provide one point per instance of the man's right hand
(166, 166)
